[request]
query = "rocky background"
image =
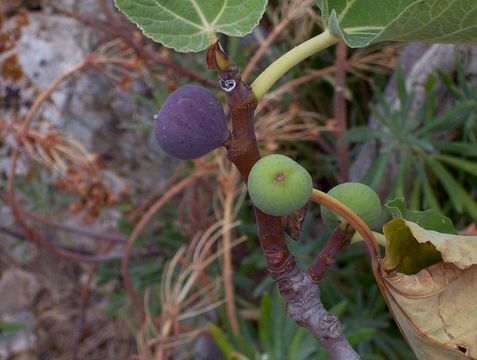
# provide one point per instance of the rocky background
(75, 131)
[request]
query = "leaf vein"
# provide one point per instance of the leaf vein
(416, 30)
(200, 13)
(177, 16)
(219, 15)
(345, 10)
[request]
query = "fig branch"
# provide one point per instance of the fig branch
(354, 220)
(302, 296)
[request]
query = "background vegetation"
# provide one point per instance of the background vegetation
(183, 251)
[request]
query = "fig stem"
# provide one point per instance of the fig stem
(304, 305)
(380, 238)
(351, 217)
(339, 239)
(280, 67)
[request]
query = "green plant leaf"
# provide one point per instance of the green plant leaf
(363, 133)
(363, 22)
(456, 147)
(456, 192)
(462, 164)
(221, 339)
(428, 192)
(449, 119)
(264, 328)
(430, 219)
(375, 174)
(360, 335)
(11, 326)
(191, 25)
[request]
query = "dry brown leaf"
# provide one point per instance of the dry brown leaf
(436, 308)
(459, 250)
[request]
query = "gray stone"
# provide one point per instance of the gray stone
(20, 341)
(18, 289)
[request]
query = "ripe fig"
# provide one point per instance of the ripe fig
(279, 185)
(191, 123)
(358, 197)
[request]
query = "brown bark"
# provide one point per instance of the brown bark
(302, 296)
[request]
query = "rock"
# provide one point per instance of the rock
(88, 108)
(19, 341)
(46, 47)
(84, 7)
(24, 356)
(19, 289)
(205, 348)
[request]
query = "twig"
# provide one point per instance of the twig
(119, 238)
(301, 294)
(136, 214)
(31, 235)
(340, 111)
(12, 233)
(80, 320)
(377, 59)
(138, 306)
(47, 92)
(265, 45)
(80, 256)
(293, 13)
(339, 239)
(354, 220)
(227, 273)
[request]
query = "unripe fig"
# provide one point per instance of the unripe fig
(191, 123)
(279, 185)
(358, 197)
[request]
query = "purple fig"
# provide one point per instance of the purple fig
(191, 123)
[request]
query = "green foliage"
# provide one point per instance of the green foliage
(192, 25)
(145, 272)
(364, 22)
(368, 327)
(348, 290)
(9, 329)
(429, 219)
(463, 90)
(414, 139)
(275, 336)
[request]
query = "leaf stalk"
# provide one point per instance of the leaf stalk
(283, 64)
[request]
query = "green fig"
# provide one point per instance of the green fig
(358, 197)
(279, 185)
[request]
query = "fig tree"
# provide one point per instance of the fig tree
(358, 197)
(191, 123)
(279, 185)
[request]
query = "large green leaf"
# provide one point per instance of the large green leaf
(191, 25)
(363, 22)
